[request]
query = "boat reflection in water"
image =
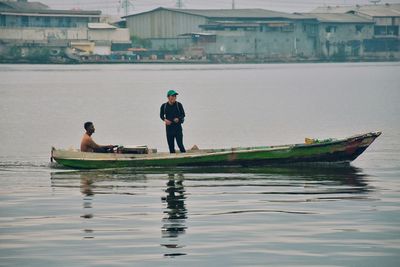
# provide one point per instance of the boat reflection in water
(130, 198)
(105, 183)
(175, 213)
(87, 191)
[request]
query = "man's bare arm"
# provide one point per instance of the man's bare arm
(92, 144)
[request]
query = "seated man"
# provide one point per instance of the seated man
(87, 143)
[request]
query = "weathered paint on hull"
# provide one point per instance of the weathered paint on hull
(338, 151)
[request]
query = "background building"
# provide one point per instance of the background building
(165, 22)
(22, 13)
(342, 35)
(256, 32)
(386, 39)
(368, 32)
(32, 25)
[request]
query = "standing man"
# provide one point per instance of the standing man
(173, 115)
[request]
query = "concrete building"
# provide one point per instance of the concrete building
(105, 36)
(386, 18)
(271, 38)
(342, 35)
(21, 13)
(24, 23)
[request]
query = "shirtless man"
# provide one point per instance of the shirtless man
(87, 143)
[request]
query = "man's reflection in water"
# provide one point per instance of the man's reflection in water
(87, 191)
(175, 212)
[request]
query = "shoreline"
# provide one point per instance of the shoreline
(195, 62)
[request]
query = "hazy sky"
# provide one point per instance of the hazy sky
(112, 6)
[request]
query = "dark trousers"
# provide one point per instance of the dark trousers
(171, 136)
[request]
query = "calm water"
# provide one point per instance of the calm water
(286, 216)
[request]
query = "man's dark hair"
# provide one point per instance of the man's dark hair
(87, 125)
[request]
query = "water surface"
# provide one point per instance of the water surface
(271, 216)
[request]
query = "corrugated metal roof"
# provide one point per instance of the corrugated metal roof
(231, 13)
(386, 10)
(339, 18)
(238, 13)
(389, 10)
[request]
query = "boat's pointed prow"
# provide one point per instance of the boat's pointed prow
(358, 144)
(378, 133)
(372, 135)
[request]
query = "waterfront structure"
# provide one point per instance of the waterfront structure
(20, 13)
(256, 32)
(330, 33)
(327, 33)
(342, 35)
(34, 24)
(386, 18)
(273, 38)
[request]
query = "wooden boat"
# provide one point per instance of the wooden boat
(314, 151)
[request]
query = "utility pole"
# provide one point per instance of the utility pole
(233, 4)
(179, 3)
(125, 5)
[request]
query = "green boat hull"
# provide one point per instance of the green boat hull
(339, 151)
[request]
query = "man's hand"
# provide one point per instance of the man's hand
(167, 122)
(176, 120)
